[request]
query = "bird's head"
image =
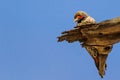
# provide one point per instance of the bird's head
(79, 16)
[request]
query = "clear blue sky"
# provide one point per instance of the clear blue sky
(28, 45)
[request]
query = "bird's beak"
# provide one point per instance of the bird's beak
(75, 20)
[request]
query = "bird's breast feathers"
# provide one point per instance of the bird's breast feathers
(89, 20)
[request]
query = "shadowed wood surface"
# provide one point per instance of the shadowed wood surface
(98, 40)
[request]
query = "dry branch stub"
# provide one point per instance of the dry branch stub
(98, 40)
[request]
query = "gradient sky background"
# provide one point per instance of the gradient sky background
(28, 45)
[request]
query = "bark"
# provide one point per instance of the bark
(98, 39)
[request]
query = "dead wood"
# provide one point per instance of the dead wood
(98, 39)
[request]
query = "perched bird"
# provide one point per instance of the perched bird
(82, 18)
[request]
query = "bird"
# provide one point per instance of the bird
(82, 18)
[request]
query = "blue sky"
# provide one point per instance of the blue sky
(28, 45)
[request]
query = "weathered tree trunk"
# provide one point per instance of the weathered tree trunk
(98, 39)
